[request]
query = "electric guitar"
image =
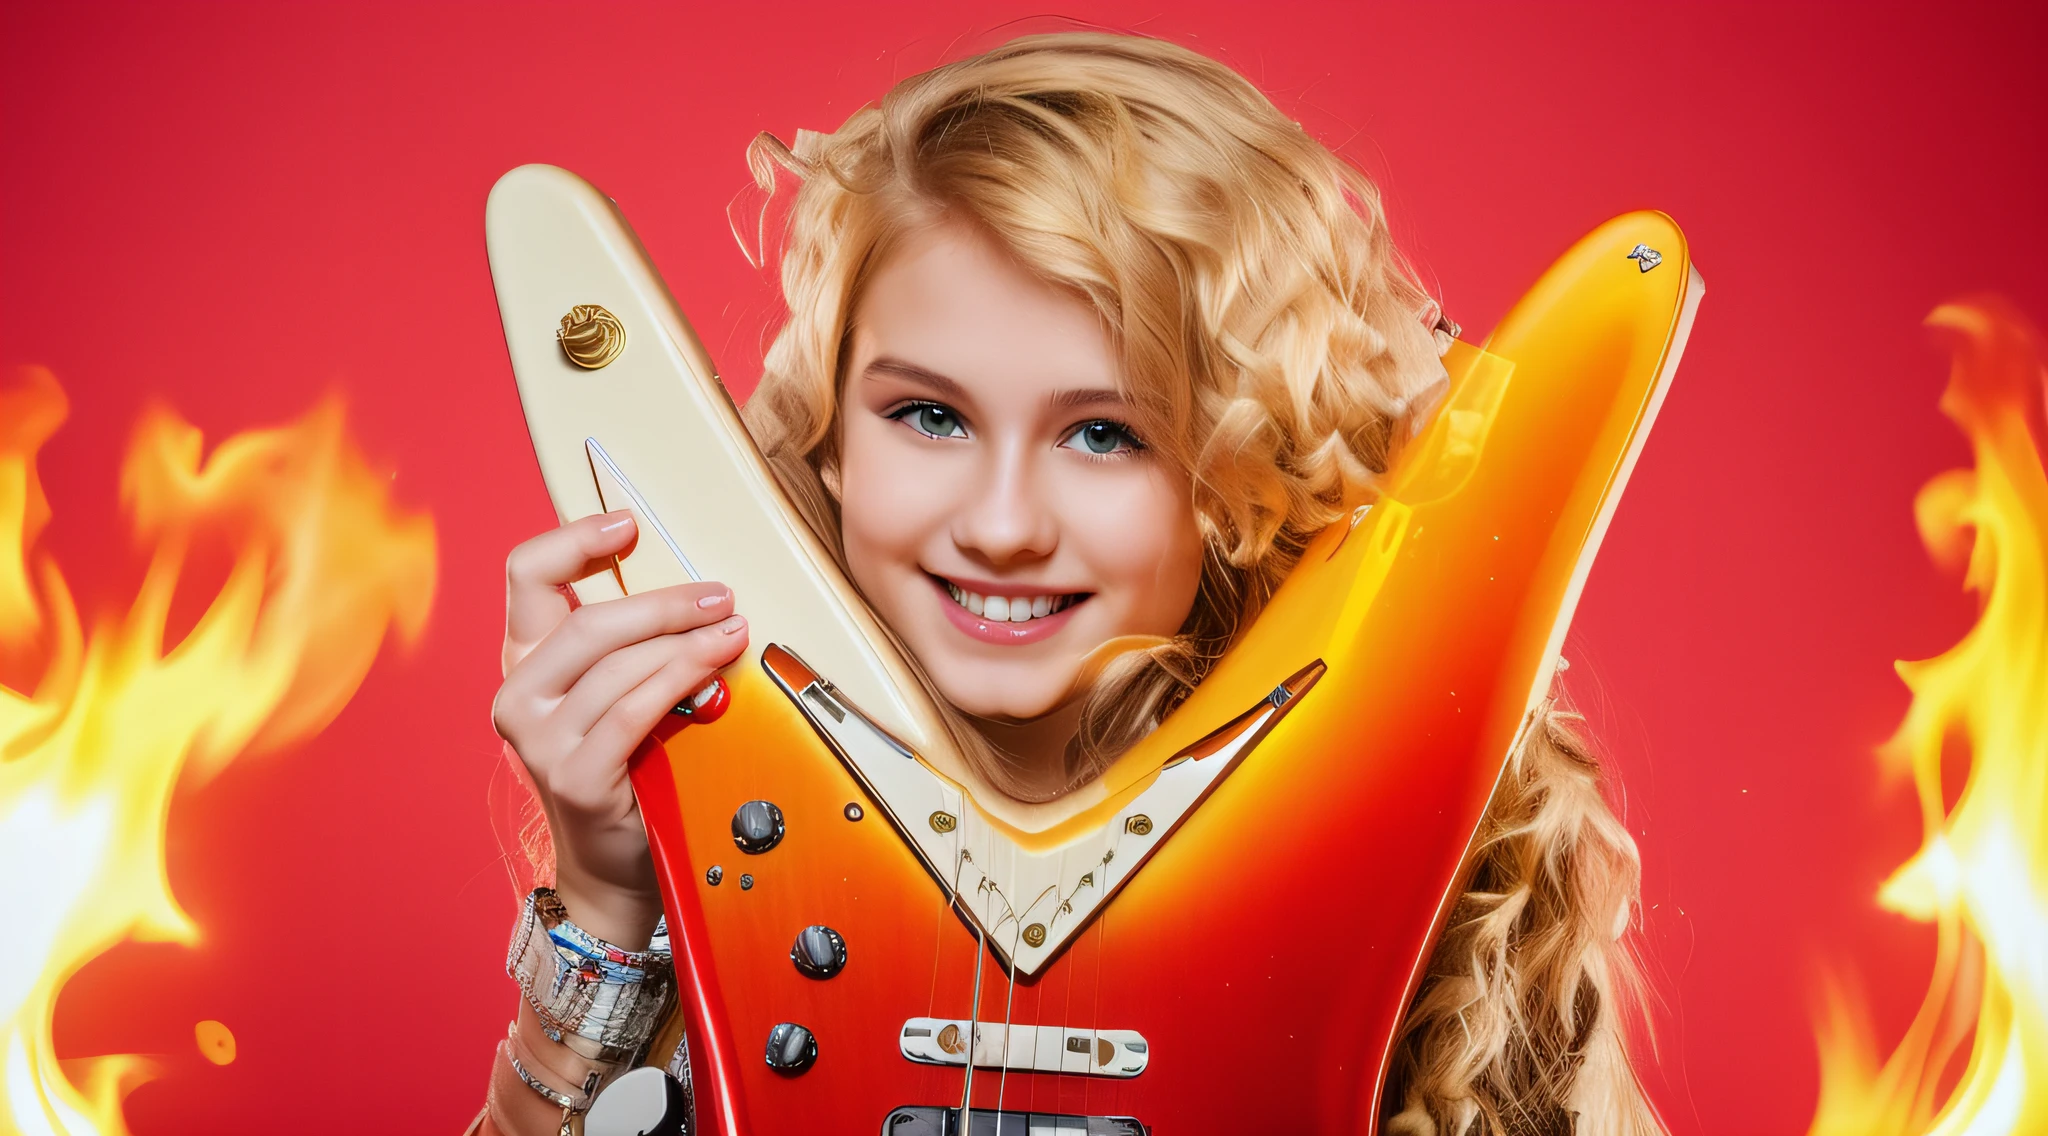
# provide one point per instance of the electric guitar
(1223, 932)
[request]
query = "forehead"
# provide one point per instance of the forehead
(950, 299)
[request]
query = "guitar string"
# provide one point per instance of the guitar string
(1009, 1005)
(974, 1005)
(952, 888)
(1101, 945)
(931, 1001)
(1059, 1093)
(974, 1034)
(1017, 921)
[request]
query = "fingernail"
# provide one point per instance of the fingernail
(732, 624)
(714, 600)
(620, 523)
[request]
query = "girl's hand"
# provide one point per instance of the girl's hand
(582, 688)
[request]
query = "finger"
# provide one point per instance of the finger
(590, 633)
(537, 569)
(546, 728)
(549, 729)
(615, 675)
(595, 765)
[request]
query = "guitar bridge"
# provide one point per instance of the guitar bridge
(916, 1120)
(1025, 1048)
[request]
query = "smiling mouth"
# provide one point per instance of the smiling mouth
(1010, 609)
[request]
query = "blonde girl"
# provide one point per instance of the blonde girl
(1085, 339)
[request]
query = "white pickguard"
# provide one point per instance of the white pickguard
(1026, 904)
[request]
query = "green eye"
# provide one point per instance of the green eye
(937, 421)
(931, 419)
(1102, 438)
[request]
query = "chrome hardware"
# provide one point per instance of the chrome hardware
(819, 952)
(746, 882)
(1645, 257)
(1042, 1049)
(791, 1048)
(704, 705)
(853, 810)
(757, 827)
(932, 1120)
(824, 701)
(644, 1102)
(714, 875)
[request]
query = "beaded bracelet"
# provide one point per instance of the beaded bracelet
(601, 1001)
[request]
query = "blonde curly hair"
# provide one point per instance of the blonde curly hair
(1270, 334)
(1277, 348)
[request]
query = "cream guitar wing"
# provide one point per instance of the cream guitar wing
(626, 412)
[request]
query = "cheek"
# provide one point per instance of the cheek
(1140, 537)
(888, 507)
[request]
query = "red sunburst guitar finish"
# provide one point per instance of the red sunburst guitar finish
(1226, 938)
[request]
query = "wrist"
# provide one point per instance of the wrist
(622, 916)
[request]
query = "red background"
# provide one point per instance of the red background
(234, 208)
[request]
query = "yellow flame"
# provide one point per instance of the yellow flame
(322, 564)
(1981, 874)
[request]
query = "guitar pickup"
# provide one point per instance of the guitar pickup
(931, 1121)
(1022, 1048)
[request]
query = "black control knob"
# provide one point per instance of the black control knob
(791, 1048)
(819, 952)
(757, 827)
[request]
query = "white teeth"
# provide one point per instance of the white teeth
(1009, 609)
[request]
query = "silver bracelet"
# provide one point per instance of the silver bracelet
(572, 1102)
(603, 1002)
(573, 1106)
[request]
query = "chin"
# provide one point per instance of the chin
(1000, 700)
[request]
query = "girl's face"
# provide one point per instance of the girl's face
(997, 510)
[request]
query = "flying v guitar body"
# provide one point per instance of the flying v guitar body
(1222, 934)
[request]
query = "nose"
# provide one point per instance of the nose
(1005, 519)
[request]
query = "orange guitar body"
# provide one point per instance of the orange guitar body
(1226, 938)
(1267, 951)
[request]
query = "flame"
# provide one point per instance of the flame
(1981, 874)
(322, 564)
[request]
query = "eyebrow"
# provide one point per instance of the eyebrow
(951, 388)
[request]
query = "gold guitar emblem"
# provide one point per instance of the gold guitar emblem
(591, 337)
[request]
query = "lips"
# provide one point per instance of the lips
(1012, 619)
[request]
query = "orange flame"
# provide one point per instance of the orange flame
(322, 564)
(1981, 874)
